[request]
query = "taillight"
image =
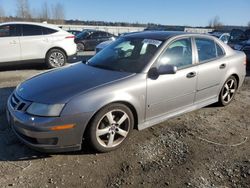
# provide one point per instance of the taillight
(245, 62)
(70, 37)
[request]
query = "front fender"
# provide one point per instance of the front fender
(131, 91)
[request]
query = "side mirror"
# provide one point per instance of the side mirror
(154, 72)
(167, 69)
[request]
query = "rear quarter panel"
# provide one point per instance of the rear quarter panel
(236, 66)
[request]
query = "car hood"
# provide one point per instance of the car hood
(60, 85)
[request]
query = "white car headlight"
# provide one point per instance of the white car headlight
(50, 110)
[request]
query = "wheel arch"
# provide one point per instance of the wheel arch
(129, 105)
(56, 48)
(237, 79)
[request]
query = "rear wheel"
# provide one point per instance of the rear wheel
(55, 58)
(228, 91)
(110, 127)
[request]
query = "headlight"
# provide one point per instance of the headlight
(51, 110)
(237, 47)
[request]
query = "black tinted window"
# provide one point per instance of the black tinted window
(47, 31)
(103, 34)
(9, 31)
(31, 30)
(95, 35)
(206, 49)
(179, 54)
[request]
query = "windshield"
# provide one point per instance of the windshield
(126, 55)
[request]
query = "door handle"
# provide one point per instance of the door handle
(191, 74)
(222, 66)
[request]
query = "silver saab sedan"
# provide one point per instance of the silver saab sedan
(138, 81)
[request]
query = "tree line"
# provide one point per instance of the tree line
(53, 14)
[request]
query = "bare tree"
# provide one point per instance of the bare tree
(45, 13)
(23, 9)
(58, 13)
(215, 23)
(2, 14)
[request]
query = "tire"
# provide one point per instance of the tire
(80, 47)
(228, 91)
(55, 58)
(105, 132)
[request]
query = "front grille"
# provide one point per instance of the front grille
(18, 104)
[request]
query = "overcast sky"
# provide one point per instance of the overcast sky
(169, 12)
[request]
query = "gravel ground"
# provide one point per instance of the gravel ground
(205, 148)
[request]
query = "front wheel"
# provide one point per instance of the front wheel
(110, 127)
(55, 58)
(228, 91)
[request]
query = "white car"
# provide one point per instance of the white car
(35, 42)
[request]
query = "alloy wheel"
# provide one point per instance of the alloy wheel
(229, 90)
(57, 59)
(113, 128)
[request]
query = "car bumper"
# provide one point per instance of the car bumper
(36, 131)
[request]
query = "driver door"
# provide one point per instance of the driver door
(171, 93)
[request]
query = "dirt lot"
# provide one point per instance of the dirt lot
(206, 148)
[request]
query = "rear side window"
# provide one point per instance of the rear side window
(9, 31)
(206, 49)
(219, 51)
(32, 30)
(47, 31)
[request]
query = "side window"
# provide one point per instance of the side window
(8, 31)
(103, 34)
(32, 30)
(47, 31)
(179, 54)
(220, 52)
(95, 35)
(206, 49)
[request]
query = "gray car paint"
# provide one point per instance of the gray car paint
(85, 90)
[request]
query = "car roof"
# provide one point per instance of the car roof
(33, 23)
(157, 35)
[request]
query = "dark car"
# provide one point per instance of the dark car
(240, 40)
(89, 39)
(74, 32)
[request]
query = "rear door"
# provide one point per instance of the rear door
(34, 44)
(9, 43)
(211, 69)
(93, 40)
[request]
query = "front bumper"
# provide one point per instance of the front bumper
(36, 133)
